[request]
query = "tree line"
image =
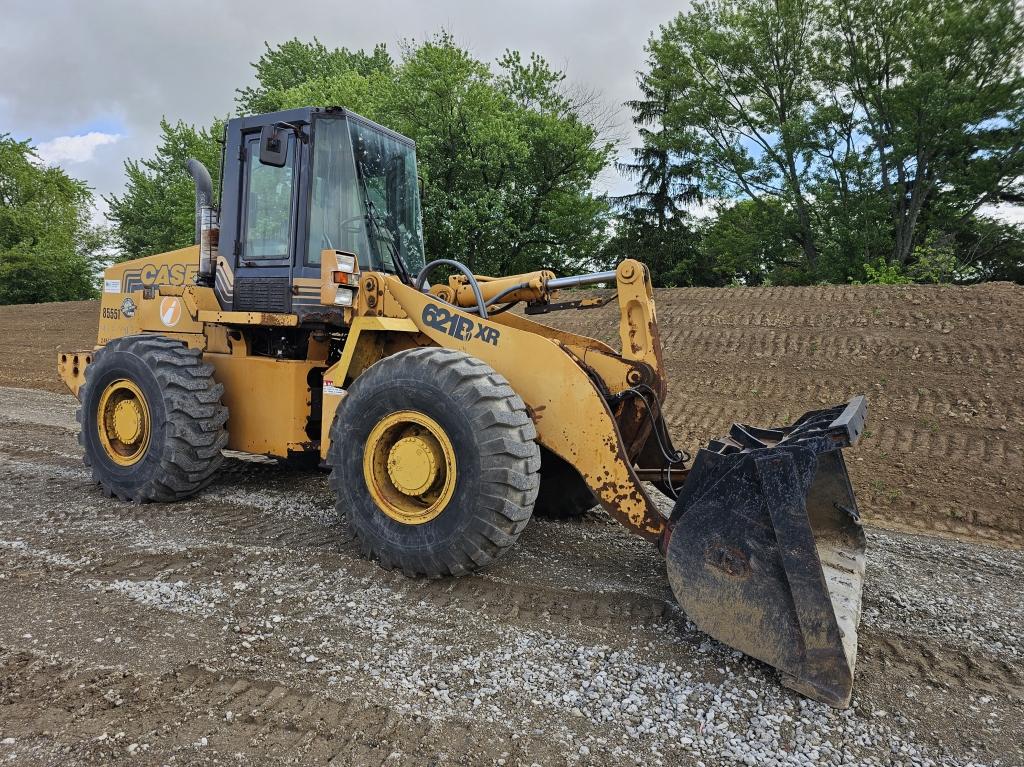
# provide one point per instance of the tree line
(780, 142)
(836, 141)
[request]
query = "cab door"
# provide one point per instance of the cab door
(266, 243)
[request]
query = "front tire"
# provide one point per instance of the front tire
(152, 422)
(434, 462)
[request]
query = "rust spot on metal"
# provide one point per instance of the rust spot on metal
(276, 320)
(643, 518)
(326, 315)
(729, 559)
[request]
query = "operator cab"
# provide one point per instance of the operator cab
(300, 181)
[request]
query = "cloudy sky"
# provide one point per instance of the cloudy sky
(89, 81)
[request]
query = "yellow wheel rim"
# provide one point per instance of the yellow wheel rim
(409, 467)
(122, 420)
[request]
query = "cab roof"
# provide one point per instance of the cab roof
(306, 115)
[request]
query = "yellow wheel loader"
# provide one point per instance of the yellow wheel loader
(304, 325)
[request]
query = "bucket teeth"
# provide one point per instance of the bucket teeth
(766, 551)
(822, 430)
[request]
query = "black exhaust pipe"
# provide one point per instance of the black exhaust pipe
(204, 189)
(207, 222)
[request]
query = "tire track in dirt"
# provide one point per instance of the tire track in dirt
(572, 605)
(230, 515)
(248, 526)
(272, 720)
(952, 668)
(942, 366)
(837, 348)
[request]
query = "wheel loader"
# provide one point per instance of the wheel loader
(304, 324)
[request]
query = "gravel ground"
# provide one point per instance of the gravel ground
(241, 627)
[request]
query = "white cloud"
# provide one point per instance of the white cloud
(72, 149)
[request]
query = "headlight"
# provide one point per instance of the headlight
(347, 264)
(343, 297)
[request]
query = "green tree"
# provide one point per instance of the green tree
(939, 90)
(156, 212)
(654, 224)
(880, 128)
(994, 249)
(294, 63)
(970, 250)
(49, 251)
(743, 70)
(671, 251)
(507, 152)
(850, 216)
(664, 166)
(753, 244)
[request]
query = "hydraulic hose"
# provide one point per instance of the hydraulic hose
(421, 278)
(672, 456)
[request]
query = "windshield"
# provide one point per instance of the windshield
(365, 197)
(386, 168)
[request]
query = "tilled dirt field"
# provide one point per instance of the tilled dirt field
(943, 369)
(242, 627)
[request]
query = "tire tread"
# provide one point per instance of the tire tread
(509, 466)
(195, 429)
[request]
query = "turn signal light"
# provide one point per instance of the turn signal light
(345, 278)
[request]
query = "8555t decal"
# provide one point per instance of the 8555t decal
(458, 326)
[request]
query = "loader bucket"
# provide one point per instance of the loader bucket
(766, 552)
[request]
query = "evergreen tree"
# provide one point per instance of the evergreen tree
(653, 224)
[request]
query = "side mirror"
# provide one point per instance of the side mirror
(419, 183)
(273, 146)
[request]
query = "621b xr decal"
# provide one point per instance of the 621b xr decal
(457, 326)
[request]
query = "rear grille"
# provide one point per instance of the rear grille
(262, 294)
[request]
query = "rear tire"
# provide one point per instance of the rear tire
(563, 493)
(485, 463)
(172, 427)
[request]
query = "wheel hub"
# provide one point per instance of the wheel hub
(409, 467)
(128, 421)
(122, 422)
(413, 464)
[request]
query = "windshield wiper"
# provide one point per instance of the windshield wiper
(374, 218)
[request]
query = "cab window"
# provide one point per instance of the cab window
(268, 205)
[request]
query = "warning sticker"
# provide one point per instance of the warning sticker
(330, 388)
(111, 286)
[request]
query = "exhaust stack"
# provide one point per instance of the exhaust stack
(207, 222)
